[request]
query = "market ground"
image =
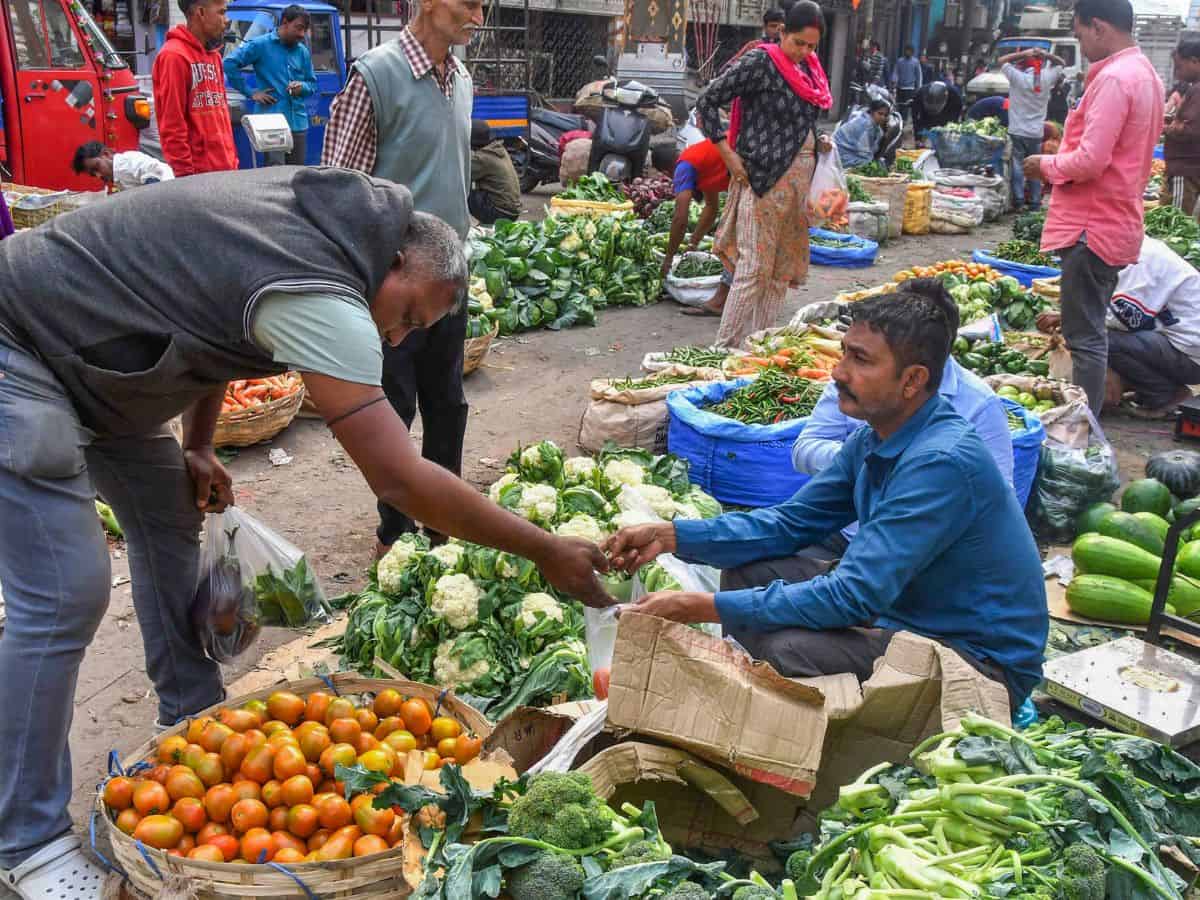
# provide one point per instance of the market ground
(532, 386)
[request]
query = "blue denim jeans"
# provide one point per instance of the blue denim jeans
(54, 566)
(1021, 148)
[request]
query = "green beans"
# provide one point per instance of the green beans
(701, 357)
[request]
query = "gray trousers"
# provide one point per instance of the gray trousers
(1088, 283)
(54, 566)
(1151, 365)
(804, 653)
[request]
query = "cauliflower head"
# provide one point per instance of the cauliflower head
(583, 526)
(686, 511)
(448, 671)
(538, 503)
(659, 498)
(391, 567)
(578, 469)
(537, 606)
(498, 486)
(449, 555)
(624, 471)
(456, 599)
(629, 518)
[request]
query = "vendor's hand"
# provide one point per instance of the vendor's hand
(294, 88)
(263, 98)
(1049, 322)
(666, 267)
(1033, 167)
(737, 169)
(570, 564)
(687, 607)
(631, 548)
(213, 483)
(824, 144)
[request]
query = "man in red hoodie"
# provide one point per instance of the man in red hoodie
(189, 92)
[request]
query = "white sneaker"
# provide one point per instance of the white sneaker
(59, 871)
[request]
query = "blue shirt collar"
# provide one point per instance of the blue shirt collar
(950, 381)
(899, 442)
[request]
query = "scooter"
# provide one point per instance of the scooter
(893, 131)
(622, 139)
(537, 159)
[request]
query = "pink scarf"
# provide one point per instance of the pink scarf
(810, 85)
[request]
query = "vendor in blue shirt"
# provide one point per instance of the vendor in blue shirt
(943, 549)
(283, 66)
(857, 139)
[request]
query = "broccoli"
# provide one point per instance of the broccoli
(797, 865)
(754, 892)
(687, 890)
(550, 876)
(1084, 873)
(1075, 805)
(563, 810)
(642, 851)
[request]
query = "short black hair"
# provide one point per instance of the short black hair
(877, 105)
(1189, 46)
(1117, 13)
(186, 6)
(90, 150)
(805, 14)
(774, 14)
(875, 45)
(295, 11)
(481, 134)
(919, 323)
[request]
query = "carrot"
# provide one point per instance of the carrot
(780, 360)
(756, 361)
(815, 374)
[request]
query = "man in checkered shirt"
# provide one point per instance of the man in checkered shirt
(405, 115)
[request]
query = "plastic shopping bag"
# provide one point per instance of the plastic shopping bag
(1071, 477)
(828, 199)
(251, 577)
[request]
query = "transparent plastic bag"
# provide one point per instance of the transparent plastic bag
(1072, 478)
(251, 577)
(828, 198)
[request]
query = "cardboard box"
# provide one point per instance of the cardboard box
(708, 697)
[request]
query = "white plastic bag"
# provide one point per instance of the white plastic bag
(828, 199)
(692, 291)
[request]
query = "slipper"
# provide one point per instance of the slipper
(59, 870)
(700, 311)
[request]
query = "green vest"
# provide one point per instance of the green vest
(424, 140)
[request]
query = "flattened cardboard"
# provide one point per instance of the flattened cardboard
(706, 696)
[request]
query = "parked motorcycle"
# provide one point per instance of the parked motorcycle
(622, 139)
(893, 132)
(537, 159)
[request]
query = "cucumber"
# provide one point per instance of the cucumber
(1129, 528)
(1184, 594)
(1089, 520)
(1096, 554)
(1188, 560)
(1110, 599)
(1160, 525)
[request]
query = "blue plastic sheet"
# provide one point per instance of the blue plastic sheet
(855, 252)
(1023, 273)
(1027, 449)
(741, 465)
(963, 150)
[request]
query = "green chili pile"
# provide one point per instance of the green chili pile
(770, 398)
(700, 357)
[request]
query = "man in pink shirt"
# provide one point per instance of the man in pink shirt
(1099, 175)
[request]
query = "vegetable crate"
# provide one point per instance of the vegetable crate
(244, 427)
(28, 214)
(376, 876)
(588, 207)
(476, 349)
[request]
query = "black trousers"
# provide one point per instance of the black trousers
(295, 156)
(425, 372)
(482, 206)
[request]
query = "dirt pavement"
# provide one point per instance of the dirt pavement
(532, 386)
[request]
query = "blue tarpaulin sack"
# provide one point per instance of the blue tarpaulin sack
(1027, 449)
(964, 150)
(1023, 273)
(854, 252)
(741, 465)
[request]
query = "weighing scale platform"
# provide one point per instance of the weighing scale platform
(1133, 686)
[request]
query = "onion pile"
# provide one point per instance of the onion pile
(647, 193)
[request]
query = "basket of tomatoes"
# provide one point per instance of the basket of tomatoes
(244, 793)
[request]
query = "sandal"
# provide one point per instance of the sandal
(700, 311)
(59, 871)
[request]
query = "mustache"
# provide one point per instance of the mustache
(844, 391)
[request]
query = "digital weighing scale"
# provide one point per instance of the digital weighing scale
(268, 132)
(1135, 685)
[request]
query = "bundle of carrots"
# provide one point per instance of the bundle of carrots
(808, 357)
(248, 393)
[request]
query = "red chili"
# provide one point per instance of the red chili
(779, 417)
(788, 398)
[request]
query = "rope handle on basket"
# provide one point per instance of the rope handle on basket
(280, 867)
(111, 867)
(329, 684)
(141, 848)
(437, 711)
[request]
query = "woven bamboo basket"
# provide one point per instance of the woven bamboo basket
(1050, 288)
(588, 207)
(28, 218)
(476, 349)
(363, 878)
(244, 427)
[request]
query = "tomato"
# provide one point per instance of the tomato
(248, 814)
(444, 727)
(367, 719)
(339, 708)
(258, 764)
(127, 820)
(338, 754)
(337, 846)
(210, 831)
(296, 790)
(256, 846)
(600, 681)
(313, 743)
(345, 731)
(159, 773)
(183, 782)
(196, 728)
(370, 843)
(258, 707)
(272, 793)
(290, 855)
(255, 737)
(210, 769)
(160, 832)
(387, 703)
(317, 706)
(281, 839)
(190, 812)
(118, 793)
(277, 819)
(214, 736)
(289, 761)
(333, 812)
(368, 818)
(467, 749)
(218, 801)
(273, 726)
(233, 751)
(171, 748)
(446, 747)
(286, 707)
(227, 844)
(416, 715)
(240, 720)
(283, 737)
(207, 853)
(376, 761)
(247, 790)
(150, 797)
(432, 760)
(401, 741)
(186, 844)
(366, 741)
(314, 773)
(302, 820)
(387, 726)
(318, 839)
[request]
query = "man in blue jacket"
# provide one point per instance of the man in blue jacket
(283, 66)
(943, 549)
